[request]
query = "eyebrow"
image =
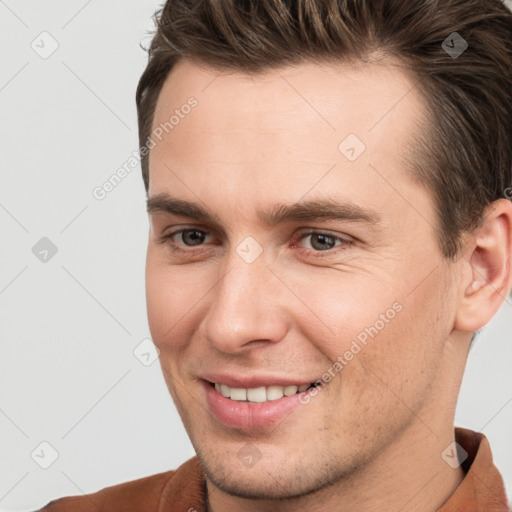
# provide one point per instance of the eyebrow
(316, 209)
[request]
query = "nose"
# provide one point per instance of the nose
(247, 307)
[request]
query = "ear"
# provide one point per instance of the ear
(487, 274)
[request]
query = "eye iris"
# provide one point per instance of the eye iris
(193, 236)
(327, 241)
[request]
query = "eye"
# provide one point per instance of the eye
(191, 237)
(186, 237)
(323, 242)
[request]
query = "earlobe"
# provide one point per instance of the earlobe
(488, 261)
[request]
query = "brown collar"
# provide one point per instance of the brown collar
(482, 488)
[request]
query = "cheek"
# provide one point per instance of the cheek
(343, 313)
(402, 360)
(168, 298)
(388, 339)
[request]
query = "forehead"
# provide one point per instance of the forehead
(284, 125)
(333, 95)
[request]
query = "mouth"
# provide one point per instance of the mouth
(259, 394)
(252, 408)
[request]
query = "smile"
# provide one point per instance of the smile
(259, 394)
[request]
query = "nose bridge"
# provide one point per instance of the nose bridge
(244, 306)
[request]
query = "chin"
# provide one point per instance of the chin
(282, 480)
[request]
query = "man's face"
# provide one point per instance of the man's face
(250, 298)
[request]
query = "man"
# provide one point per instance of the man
(328, 189)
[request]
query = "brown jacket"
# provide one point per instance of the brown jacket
(183, 490)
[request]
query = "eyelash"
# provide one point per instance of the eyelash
(343, 245)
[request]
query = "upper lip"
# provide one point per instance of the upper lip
(253, 381)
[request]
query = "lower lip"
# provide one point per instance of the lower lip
(249, 415)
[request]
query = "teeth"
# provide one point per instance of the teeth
(276, 392)
(257, 394)
(290, 390)
(238, 394)
(225, 390)
(261, 394)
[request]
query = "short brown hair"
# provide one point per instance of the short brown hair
(464, 154)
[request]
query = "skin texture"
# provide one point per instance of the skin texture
(372, 438)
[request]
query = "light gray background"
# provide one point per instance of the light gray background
(69, 326)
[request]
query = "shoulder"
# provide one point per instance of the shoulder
(141, 495)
